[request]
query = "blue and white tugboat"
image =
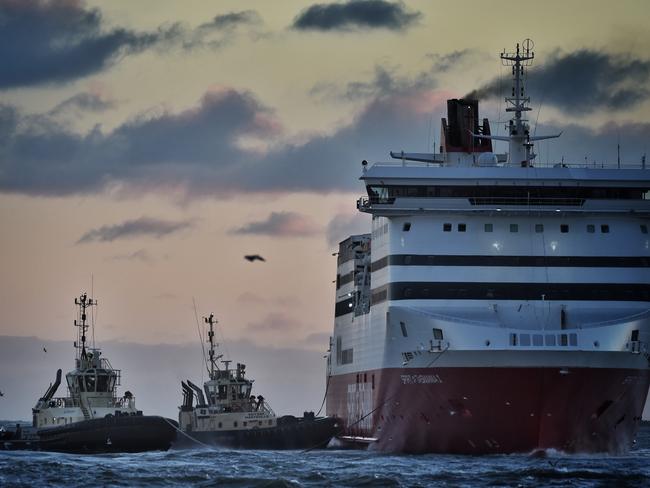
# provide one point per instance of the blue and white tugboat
(92, 418)
(227, 414)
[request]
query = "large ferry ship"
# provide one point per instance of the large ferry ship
(498, 305)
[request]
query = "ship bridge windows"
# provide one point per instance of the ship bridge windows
(406, 227)
(514, 227)
(488, 228)
(462, 227)
(564, 228)
(591, 228)
(539, 228)
(446, 227)
(105, 382)
(504, 194)
(604, 228)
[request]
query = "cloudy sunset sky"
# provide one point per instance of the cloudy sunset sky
(150, 145)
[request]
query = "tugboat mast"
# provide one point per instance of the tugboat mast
(83, 302)
(213, 359)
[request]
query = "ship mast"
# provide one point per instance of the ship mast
(83, 303)
(519, 147)
(213, 359)
(520, 143)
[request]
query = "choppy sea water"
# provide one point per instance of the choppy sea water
(331, 467)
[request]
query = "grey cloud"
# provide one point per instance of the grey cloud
(582, 81)
(280, 224)
(86, 102)
(344, 225)
(384, 82)
(139, 255)
(195, 148)
(234, 19)
(356, 15)
(52, 42)
(196, 152)
(387, 80)
(142, 227)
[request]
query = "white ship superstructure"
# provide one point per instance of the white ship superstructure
(92, 385)
(497, 305)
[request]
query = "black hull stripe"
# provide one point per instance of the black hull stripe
(523, 261)
(511, 291)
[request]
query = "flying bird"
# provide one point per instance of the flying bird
(254, 257)
(1, 394)
(44, 350)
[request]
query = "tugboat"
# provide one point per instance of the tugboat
(92, 418)
(228, 415)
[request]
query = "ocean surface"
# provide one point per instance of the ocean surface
(330, 467)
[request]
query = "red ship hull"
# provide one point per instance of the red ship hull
(483, 410)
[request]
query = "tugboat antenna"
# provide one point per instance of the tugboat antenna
(213, 359)
(83, 302)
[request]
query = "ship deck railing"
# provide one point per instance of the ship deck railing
(69, 402)
(592, 165)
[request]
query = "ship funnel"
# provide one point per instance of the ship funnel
(199, 394)
(188, 395)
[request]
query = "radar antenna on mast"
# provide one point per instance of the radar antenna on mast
(83, 302)
(211, 355)
(519, 139)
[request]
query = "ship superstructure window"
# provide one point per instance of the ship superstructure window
(437, 334)
(406, 227)
(514, 227)
(488, 228)
(462, 227)
(591, 228)
(539, 228)
(564, 228)
(644, 229)
(513, 339)
(347, 356)
(446, 227)
(504, 194)
(604, 229)
(404, 331)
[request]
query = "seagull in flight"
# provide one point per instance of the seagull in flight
(1, 394)
(254, 257)
(44, 350)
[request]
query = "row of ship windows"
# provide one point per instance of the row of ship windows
(245, 423)
(539, 228)
(543, 340)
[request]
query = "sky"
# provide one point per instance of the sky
(146, 147)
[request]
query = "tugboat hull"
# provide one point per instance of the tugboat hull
(290, 433)
(110, 434)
